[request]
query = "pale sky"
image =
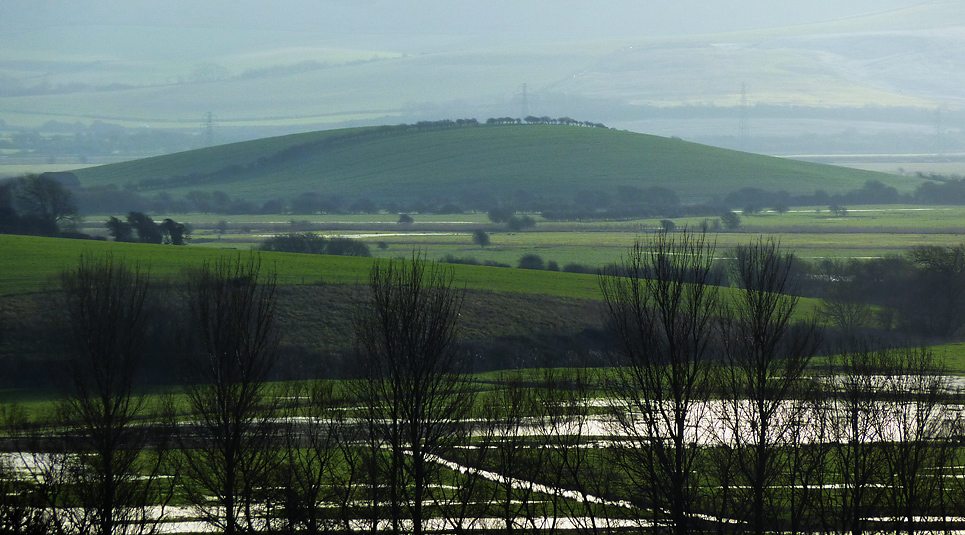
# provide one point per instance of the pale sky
(576, 18)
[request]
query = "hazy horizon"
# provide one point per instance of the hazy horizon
(306, 64)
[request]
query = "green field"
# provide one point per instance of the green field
(27, 264)
(557, 162)
(812, 233)
(30, 264)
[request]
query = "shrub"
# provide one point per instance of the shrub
(531, 261)
(465, 260)
(730, 220)
(306, 243)
(310, 243)
(520, 223)
(577, 268)
(480, 238)
(347, 247)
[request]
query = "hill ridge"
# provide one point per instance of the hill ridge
(296, 151)
(455, 162)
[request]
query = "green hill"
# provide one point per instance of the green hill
(453, 163)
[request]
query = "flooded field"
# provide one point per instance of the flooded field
(595, 429)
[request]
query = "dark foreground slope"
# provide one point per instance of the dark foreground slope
(497, 330)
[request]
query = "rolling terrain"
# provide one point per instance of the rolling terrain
(465, 162)
(169, 74)
(510, 318)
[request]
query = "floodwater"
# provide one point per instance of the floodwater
(710, 423)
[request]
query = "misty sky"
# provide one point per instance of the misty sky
(469, 57)
(558, 18)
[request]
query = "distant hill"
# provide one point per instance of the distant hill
(167, 75)
(392, 163)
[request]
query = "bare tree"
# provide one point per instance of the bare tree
(412, 378)
(574, 466)
(26, 502)
(765, 356)
(305, 478)
(663, 303)
(516, 459)
(230, 448)
(844, 305)
(857, 418)
(917, 456)
(473, 491)
(108, 462)
(805, 478)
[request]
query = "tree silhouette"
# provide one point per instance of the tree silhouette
(481, 238)
(662, 303)
(106, 324)
(228, 455)
(412, 380)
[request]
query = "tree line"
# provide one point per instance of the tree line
(48, 203)
(140, 227)
(621, 202)
(311, 243)
(723, 410)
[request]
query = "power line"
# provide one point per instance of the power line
(743, 127)
(207, 128)
(940, 131)
(523, 96)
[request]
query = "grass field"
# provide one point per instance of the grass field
(812, 233)
(28, 263)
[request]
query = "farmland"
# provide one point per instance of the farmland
(812, 233)
(551, 322)
(512, 440)
(546, 279)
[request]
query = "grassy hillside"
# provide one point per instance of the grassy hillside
(542, 159)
